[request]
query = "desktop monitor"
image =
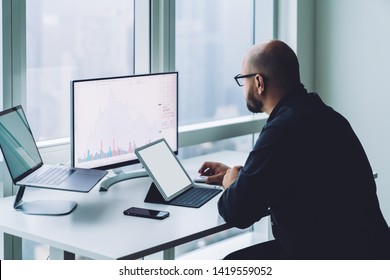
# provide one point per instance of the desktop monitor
(113, 116)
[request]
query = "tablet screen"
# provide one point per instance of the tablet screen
(164, 168)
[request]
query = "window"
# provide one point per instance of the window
(69, 40)
(210, 47)
(209, 50)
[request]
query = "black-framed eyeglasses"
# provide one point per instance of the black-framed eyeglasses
(239, 78)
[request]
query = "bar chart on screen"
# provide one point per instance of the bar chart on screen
(120, 127)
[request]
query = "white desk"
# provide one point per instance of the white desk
(98, 229)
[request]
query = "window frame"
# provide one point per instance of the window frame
(14, 53)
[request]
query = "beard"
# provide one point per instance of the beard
(254, 105)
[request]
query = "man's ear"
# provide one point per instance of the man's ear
(260, 84)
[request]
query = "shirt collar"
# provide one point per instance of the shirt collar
(294, 93)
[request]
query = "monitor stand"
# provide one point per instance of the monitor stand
(43, 207)
(121, 176)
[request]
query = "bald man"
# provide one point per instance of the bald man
(307, 170)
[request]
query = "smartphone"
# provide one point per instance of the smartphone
(146, 213)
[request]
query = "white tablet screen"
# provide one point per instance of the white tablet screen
(165, 169)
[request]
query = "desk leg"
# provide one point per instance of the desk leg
(13, 248)
(169, 254)
(57, 254)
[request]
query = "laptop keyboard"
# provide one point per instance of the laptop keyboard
(195, 197)
(52, 176)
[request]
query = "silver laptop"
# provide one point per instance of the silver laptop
(172, 181)
(25, 163)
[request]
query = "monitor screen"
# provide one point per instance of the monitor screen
(113, 116)
(18, 144)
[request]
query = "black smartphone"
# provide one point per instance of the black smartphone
(146, 213)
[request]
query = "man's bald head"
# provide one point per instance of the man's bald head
(276, 61)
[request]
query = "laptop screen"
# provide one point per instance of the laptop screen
(164, 168)
(17, 143)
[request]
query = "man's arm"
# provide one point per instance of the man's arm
(250, 190)
(230, 176)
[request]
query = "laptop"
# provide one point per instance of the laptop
(170, 178)
(25, 164)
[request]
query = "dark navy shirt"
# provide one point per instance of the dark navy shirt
(309, 170)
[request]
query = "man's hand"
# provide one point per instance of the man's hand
(215, 171)
(230, 176)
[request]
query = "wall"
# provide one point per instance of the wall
(352, 74)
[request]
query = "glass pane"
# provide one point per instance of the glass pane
(240, 144)
(69, 40)
(211, 39)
